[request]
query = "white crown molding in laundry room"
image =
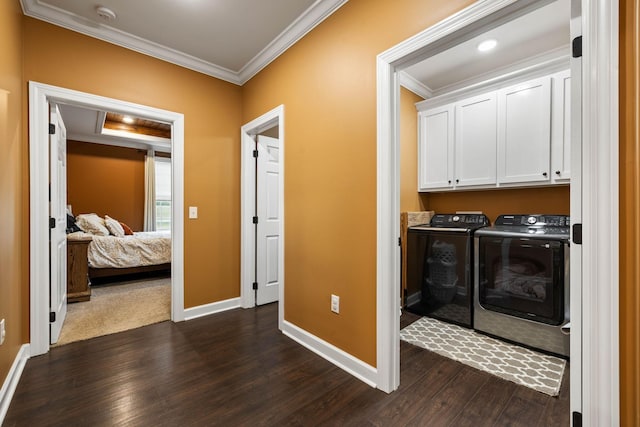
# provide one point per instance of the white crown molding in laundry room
(312, 17)
(414, 85)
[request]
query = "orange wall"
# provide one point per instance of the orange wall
(544, 200)
(212, 110)
(327, 82)
(410, 199)
(629, 214)
(13, 304)
(106, 180)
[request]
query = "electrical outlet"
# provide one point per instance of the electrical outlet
(193, 212)
(2, 331)
(335, 304)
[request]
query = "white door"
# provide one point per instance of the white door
(524, 132)
(475, 141)
(58, 223)
(575, 262)
(268, 274)
(435, 148)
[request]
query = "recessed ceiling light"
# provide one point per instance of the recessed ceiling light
(487, 45)
(128, 119)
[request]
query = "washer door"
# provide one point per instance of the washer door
(438, 275)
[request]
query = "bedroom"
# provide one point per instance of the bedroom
(116, 282)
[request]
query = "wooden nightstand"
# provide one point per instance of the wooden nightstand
(78, 285)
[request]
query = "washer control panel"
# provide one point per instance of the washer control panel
(459, 220)
(534, 220)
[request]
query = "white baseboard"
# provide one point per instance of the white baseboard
(343, 360)
(11, 382)
(214, 307)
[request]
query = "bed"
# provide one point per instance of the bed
(115, 255)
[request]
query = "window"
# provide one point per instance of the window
(163, 193)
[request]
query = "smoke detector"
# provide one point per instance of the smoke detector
(105, 13)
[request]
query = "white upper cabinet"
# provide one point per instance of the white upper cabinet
(475, 141)
(561, 127)
(435, 151)
(524, 132)
(512, 136)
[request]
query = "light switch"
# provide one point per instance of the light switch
(193, 212)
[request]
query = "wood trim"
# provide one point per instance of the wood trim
(629, 212)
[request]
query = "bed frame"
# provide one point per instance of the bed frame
(109, 272)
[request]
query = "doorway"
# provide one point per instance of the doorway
(40, 97)
(262, 234)
(597, 390)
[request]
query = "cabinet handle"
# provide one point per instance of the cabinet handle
(449, 181)
(557, 172)
(544, 174)
(457, 181)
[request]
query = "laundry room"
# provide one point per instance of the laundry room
(485, 198)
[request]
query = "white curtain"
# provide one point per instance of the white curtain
(150, 192)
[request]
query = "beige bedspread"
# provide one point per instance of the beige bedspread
(142, 248)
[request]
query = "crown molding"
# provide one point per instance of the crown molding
(409, 82)
(317, 13)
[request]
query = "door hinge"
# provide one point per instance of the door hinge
(52, 129)
(52, 316)
(255, 285)
(255, 153)
(255, 219)
(399, 241)
(52, 223)
(577, 234)
(576, 47)
(577, 419)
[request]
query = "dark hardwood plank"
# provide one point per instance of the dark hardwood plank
(487, 405)
(236, 368)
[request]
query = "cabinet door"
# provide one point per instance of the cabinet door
(561, 127)
(435, 148)
(524, 132)
(475, 141)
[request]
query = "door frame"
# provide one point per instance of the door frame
(268, 120)
(40, 95)
(600, 347)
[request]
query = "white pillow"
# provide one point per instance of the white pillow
(113, 226)
(92, 223)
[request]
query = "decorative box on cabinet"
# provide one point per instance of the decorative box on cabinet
(78, 285)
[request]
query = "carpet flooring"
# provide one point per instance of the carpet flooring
(117, 307)
(520, 365)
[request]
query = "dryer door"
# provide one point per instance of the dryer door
(522, 277)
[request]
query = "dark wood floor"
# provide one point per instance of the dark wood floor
(236, 368)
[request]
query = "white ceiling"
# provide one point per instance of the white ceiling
(542, 32)
(228, 39)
